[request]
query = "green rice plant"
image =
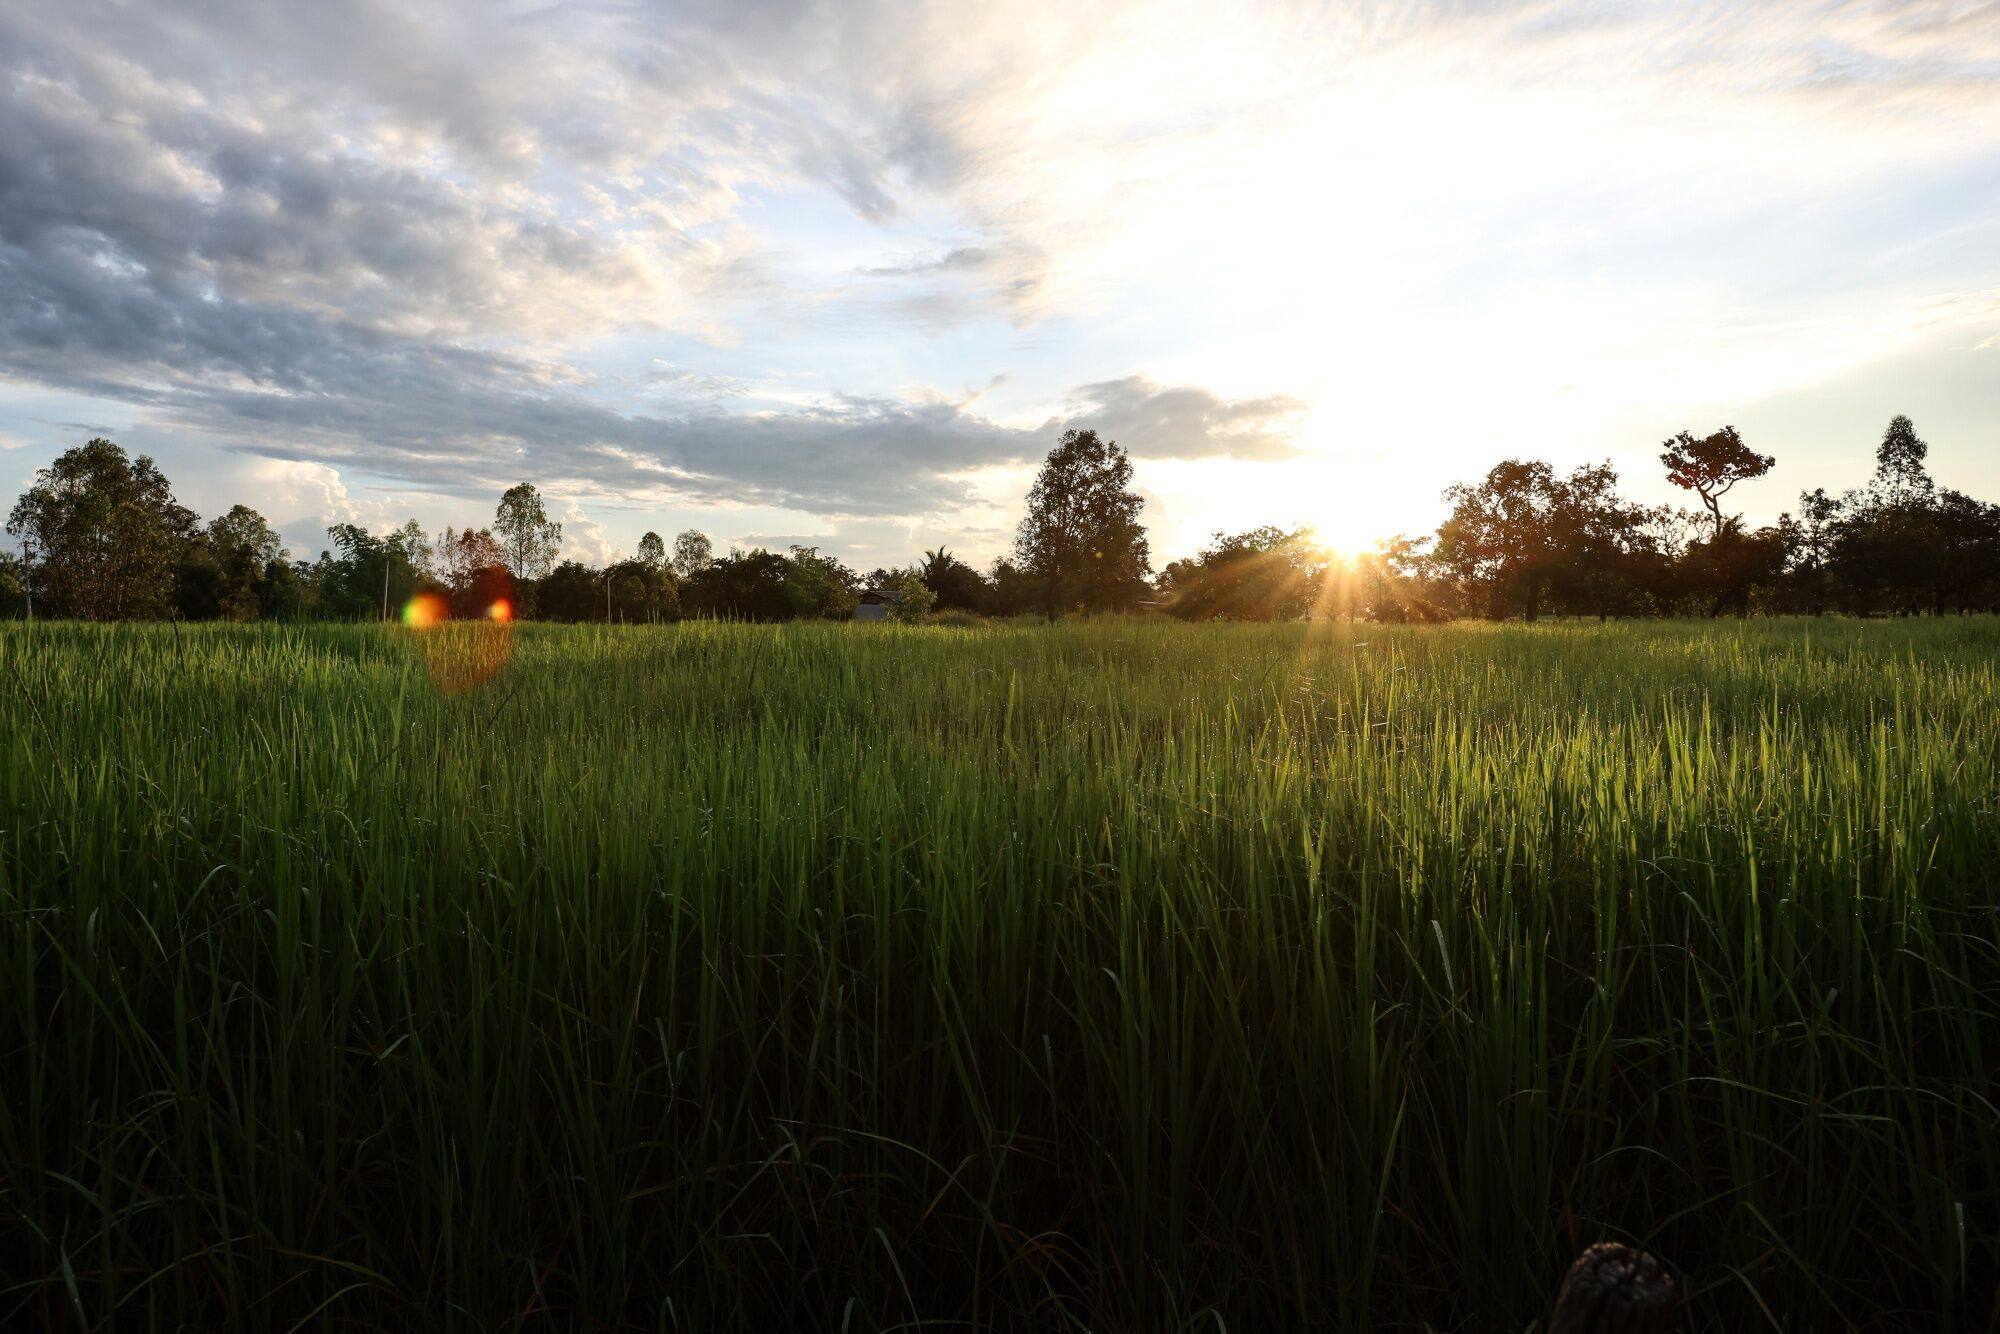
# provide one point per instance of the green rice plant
(1110, 975)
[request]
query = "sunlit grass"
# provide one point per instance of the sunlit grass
(1119, 975)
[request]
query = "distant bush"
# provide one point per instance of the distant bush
(959, 618)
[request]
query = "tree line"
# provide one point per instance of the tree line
(103, 538)
(1527, 540)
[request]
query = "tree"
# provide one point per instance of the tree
(917, 598)
(102, 535)
(819, 586)
(637, 590)
(652, 551)
(1809, 543)
(1263, 575)
(693, 553)
(1711, 466)
(474, 567)
(1525, 537)
(1081, 538)
(1013, 589)
(954, 584)
(529, 541)
(244, 547)
(372, 576)
(1900, 478)
(13, 587)
(1723, 569)
(570, 592)
(752, 586)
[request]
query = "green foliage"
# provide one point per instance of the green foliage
(13, 587)
(819, 587)
(371, 577)
(529, 540)
(1080, 539)
(1105, 975)
(693, 553)
(103, 534)
(641, 592)
(916, 598)
(1266, 574)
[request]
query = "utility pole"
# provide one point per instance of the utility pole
(385, 584)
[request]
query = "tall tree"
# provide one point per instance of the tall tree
(102, 535)
(1711, 466)
(652, 551)
(529, 539)
(1809, 542)
(1900, 477)
(1081, 539)
(244, 547)
(693, 553)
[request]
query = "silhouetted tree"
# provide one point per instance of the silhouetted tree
(1015, 591)
(1721, 571)
(1809, 541)
(954, 585)
(476, 571)
(1712, 466)
(748, 586)
(1525, 537)
(652, 551)
(641, 591)
(1081, 538)
(819, 586)
(1263, 575)
(570, 592)
(1900, 477)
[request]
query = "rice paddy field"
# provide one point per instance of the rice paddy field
(1111, 975)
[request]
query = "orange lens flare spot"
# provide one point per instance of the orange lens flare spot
(425, 610)
(501, 611)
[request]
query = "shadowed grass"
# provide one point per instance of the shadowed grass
(1116, 975)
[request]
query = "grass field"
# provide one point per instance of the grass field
(1112, 975)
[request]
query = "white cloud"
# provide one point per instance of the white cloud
(431, 247)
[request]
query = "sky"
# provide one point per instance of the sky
(840, 274)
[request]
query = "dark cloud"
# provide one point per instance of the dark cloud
(1186, 422)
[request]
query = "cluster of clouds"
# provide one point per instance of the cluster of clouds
(395, 241)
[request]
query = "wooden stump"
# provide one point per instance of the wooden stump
(1614, 1289)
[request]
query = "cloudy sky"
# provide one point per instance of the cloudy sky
(840, 273)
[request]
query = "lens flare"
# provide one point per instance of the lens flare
(424, 611)
(465, 653)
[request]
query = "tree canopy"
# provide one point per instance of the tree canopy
(1080, 538)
